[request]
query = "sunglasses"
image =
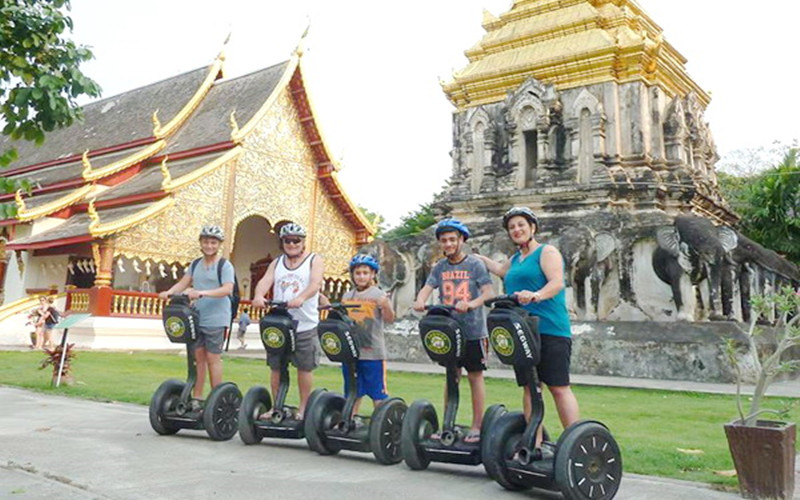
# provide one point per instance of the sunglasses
(293, 241)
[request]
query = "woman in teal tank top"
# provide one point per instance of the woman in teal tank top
(535, 275)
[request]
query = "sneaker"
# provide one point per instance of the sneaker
(196, 405)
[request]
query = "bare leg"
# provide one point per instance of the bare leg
(214, 368)
(478, 391)
(39, 337)
(48, 338)
(202, 366)
(275, 383)
(566, 404)
(305, 381)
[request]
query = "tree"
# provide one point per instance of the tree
(375, 219)
(771, 207)
(412, 223)
(40, 76)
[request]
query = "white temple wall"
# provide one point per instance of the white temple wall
(46, 272)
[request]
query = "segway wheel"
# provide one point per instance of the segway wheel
(255, 403)
(489, 418)
(503, 438)
(385, 431)
(221, 414)
(418, 425)
(164, 400)
(324, 413)
(588, 462)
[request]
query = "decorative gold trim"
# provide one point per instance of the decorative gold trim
(99, 230)
(165, 172)
(20, 202)
(163, 131)
(117, 166)
(202, 171)
(24, 215)
(94, 218)
(96, 254)
(276, 92)
(234, 127)
(87, 166)
(156, 124)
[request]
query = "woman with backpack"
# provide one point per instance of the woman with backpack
(48, 317)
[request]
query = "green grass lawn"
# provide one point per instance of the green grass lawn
(650, 426)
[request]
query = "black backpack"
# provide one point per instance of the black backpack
(234, 296)
(55, 316)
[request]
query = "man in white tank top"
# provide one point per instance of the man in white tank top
(296, 278)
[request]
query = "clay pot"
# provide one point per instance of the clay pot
(764, 457)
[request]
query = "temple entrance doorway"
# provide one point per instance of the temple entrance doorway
(255, 245)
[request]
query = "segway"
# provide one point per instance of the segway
(586, 462)
(278, 330)
(445, 343)
(170, 408)
(330, 424)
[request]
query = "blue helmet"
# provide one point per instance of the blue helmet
(451, 224)
(363, 259)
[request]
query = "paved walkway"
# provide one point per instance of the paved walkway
(69, 448)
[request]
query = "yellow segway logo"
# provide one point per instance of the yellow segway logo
(330, 343)
(437, 342)
(273, 337)
(175, 327)
(502, 342)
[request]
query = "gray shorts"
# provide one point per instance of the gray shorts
(212, 339)
(306, 352)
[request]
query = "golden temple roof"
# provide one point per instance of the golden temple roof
(568, 43)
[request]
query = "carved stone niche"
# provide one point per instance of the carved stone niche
(586, 123)
(529, 144)
(675, 133)
(477, 156)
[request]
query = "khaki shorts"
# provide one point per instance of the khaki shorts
(306, 352)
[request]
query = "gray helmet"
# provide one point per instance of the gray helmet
(292, 229)
(212, 231)
(522, 212)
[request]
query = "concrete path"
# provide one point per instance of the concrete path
(67, 448)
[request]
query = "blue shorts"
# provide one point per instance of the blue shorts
(370, 378)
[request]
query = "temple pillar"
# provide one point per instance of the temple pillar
(3, 266)
(100, 294)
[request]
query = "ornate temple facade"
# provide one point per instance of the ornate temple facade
(119, 198)
(583, 111)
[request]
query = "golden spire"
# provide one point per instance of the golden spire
(234, 126)
(156, 124)
(95, 219)
(20, 201)
(222, 55)
(165, 171)
(87, 167)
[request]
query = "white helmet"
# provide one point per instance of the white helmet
(212, 231)
(292, 229)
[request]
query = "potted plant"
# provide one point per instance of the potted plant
(763, 450)
(54, 358)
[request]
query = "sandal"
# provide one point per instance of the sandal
(473, 436)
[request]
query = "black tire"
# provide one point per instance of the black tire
(419, 423)
(503, 438)
(255, 402)
(323, 414)
(490, 417)
(588, 463)
(385, 431)
(221, 413)
(164, 400)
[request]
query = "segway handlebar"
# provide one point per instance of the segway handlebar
(502, 298)
(338, 305)
(439, 306)
(277, 303)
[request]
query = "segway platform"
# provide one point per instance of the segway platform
(278, 330)
(584, 464)
(170, 407)
(444, 342)
(330, 423)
